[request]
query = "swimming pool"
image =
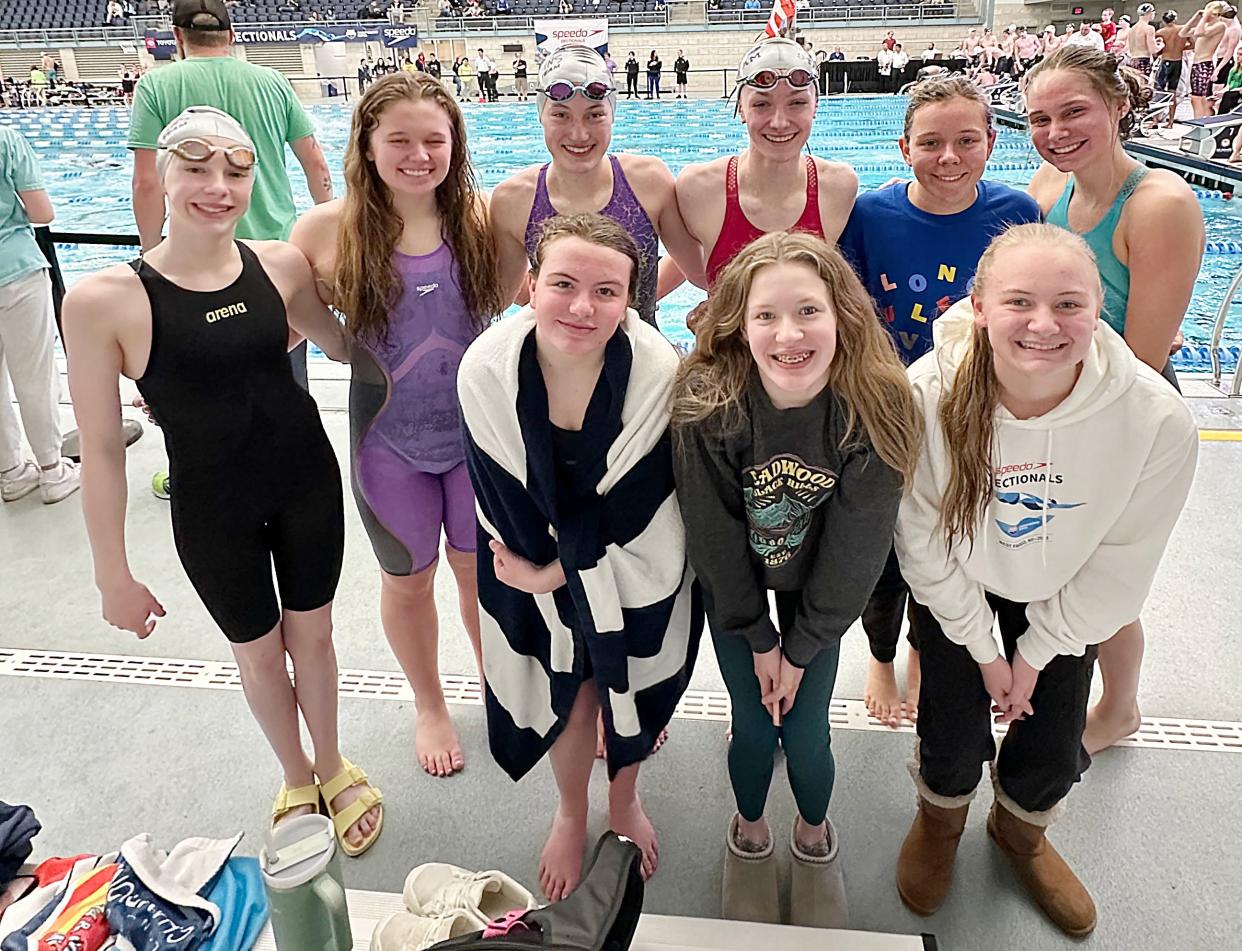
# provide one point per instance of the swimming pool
(87, 170)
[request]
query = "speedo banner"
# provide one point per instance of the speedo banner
(550, 34)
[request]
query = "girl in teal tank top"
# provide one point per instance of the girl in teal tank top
(1081, 107)
(1114, 274)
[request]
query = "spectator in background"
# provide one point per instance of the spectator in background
(681, 71)
(38, 84)
(114, 15)
(890, 40)
(364, 76)
(837, 55)
(502, 6)
(631, 76)
(258, 97)
(445, 8)
(654, 66)
(1108, 29)
(469, 78)
(565, 8)
(521, 79)
(1087, 36)
(751, 5)
(884, 66)
(488, 75)
(901, 59)
(28, 334)
(931, 52)
(433, 65)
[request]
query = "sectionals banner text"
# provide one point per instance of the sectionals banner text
(393, 37)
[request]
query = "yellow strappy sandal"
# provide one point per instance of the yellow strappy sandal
(290, 799)
(342, 821)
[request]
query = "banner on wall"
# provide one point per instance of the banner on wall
(161, 44)
(391, 36)
(550, 34)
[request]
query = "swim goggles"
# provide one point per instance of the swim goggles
(241, 157)
(563, 90)
(797, 77)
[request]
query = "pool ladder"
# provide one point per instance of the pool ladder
(1218, 332)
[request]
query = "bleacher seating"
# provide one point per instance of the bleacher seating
(59, 14)
(51, 14)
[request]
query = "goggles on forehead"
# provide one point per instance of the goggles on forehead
(797, 77)
(241, 157)
(563, 90)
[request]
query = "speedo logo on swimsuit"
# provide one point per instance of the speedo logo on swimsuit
(425, 289)
(231, 311)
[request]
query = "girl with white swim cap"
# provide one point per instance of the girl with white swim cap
(771, 185)
(577, 102)
(203, 323)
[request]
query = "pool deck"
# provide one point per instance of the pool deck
(107, 736)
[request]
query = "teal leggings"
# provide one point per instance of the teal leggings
(804, 730)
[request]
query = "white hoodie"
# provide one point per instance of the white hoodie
(1084, 500)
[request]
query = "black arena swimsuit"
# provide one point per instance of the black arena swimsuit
(257, 483)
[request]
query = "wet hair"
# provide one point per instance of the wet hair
(1217, 7)
(1116, 84)
(366, 285)
(592, 228)
(967, 411)
(943, 90)
(866, 374)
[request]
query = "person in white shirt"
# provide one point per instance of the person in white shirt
(1055, 465)
(1087, 35)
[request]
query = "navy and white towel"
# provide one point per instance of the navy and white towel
(630, 614)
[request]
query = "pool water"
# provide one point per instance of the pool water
(87, 171)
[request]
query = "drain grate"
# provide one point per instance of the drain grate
(1154, 733)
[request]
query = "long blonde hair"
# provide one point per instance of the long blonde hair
(866, 373)
(367, 286)
(968, 411)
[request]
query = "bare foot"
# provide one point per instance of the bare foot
(881, 696)
(1105, 726)
(629, 819)
(560, 862)
(436, 744)
(297, 782)
(914, 681)
(367, 822)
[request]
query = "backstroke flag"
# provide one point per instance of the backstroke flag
(781, 20)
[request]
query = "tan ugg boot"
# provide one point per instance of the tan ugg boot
(1045, 875)
(925, 863)
(749, 891)
(817, 886)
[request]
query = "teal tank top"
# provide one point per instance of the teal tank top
(1114, 275)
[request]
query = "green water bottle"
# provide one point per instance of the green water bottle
(302, 872)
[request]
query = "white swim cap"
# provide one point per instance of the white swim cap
(773, 52)
(1145, 8)
(581, 70)
(198, 122)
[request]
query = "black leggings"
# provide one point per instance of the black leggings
(1041, 757)
(881, 618)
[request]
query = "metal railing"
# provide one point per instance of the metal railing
(524, 24)
(846, 16)
(1218, 333)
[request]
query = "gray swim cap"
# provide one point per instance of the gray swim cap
(198, 122)
(776, 53)
(578, 65)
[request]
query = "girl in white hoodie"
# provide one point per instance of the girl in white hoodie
(1054, 468)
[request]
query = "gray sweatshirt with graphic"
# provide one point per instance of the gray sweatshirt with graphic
(781, 505)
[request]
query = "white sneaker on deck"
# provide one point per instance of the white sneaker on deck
(59, 483)
(19, 481)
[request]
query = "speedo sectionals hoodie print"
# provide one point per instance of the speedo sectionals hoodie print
(1083, 502)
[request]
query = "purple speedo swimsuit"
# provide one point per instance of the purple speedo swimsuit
(626, 210)
(405, 424)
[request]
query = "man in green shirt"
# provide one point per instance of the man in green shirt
(260, 98)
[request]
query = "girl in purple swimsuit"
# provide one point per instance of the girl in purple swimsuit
(408, 258)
